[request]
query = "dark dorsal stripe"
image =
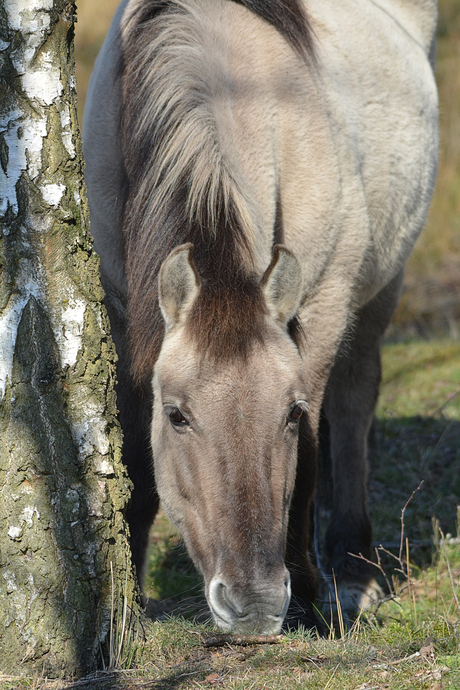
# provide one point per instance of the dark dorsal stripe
(287, 16)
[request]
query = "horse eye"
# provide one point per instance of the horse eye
(176, 417)
(296, 413)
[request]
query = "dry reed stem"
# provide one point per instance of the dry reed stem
(339, 609)
(111, 660)
(332, 676)
(449, 569)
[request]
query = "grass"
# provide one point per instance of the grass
(421, 379)
(417, 437)
(399, 650)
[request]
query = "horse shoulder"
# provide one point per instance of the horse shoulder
(379, 90)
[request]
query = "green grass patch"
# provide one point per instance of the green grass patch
(170, 572)
(421, 379)
(417, 438)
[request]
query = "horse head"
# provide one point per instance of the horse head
(224, 438)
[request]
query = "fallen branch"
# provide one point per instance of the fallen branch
(416, 655)
(241, 640)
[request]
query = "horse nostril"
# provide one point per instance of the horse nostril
(220, 600)
(287, 585)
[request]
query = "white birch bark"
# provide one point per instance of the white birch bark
(63, 487)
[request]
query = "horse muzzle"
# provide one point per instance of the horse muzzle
(257, 608)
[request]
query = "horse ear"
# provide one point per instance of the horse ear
(178, 284)
(282, 284)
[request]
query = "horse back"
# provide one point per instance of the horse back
(418, 18)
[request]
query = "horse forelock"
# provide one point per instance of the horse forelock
(224, 324)
(228, 315)
(182, 185)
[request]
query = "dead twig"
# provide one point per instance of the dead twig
(448, 401)
(332, 676)
(241, 640)
(377, 565)
(416, 655)
(405, 571)
(401, 543)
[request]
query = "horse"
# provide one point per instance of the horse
(257, 174)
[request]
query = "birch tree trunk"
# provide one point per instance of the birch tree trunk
(63, 488)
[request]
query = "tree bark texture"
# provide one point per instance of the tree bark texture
(63, 488)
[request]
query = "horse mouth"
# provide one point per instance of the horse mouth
(256, 612)
(250, 624)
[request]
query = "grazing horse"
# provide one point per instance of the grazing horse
(257, 173)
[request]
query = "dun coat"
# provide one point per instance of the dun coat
(257, 175)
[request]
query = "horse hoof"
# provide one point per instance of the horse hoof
(355, 597)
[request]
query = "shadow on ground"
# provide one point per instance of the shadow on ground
(405, 452)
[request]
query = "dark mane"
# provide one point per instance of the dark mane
(226, 319)
(181, 186)
(289, 18)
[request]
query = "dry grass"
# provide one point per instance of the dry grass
(413, 644)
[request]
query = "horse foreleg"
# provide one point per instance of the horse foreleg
(349, 406)
(135, 420)
(135, 412)
(300, 535)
